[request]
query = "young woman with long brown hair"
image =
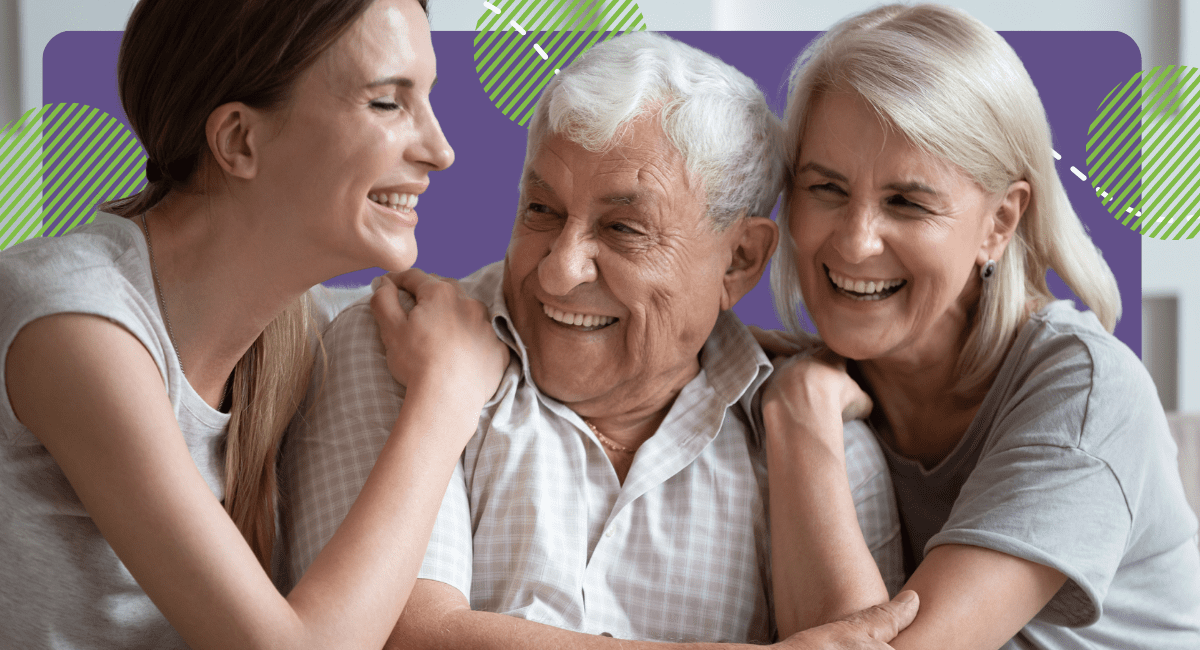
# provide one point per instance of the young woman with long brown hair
(153, 359)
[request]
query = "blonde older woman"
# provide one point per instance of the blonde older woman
(1035, 474)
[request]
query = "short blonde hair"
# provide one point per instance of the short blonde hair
(956, 89)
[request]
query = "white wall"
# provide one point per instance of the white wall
(1153, 24)
(10, 79)
(41, 20)
(660, 15)
(1168, 268)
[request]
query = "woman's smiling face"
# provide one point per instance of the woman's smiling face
(356, 140)
(888, 237)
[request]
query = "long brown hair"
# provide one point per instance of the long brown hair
(180, 60)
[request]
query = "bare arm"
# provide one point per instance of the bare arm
(93, 396)
(822, 567)
(438, 616)
(971, 597)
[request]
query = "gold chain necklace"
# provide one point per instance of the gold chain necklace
(609, 442)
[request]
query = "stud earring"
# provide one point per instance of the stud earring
(987, 270)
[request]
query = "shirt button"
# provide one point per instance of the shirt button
(608, 533)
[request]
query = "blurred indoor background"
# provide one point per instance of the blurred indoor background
(1161, 28)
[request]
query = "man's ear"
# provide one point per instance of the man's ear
(234, 132)
(753, 241)
(1005, 221)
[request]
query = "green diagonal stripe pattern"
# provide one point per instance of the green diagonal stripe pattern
(21, 180)
(1143, 152)
(57, 163)
(521, 44)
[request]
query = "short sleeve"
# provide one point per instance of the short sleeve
(334, 441)
(450, 555)
(1057, 506)
(83, 274)
(875, 502)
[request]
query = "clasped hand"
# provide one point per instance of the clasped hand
(810, 380)
(443, 341)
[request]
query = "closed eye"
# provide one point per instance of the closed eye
(899, 201)
(624, 229)
(826, 188)
(384, 104)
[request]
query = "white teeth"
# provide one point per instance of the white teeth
(395, 200)
(577, 320)
(872, 289)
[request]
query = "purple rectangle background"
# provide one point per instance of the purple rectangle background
(466, 216)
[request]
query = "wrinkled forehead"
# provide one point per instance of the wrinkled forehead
(642, 168)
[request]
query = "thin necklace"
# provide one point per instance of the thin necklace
(609, 442)
(162, 306)
(162, 303)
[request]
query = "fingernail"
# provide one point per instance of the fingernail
(376, 282)
(906, 596)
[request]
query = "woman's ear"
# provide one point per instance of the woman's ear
(753, 240)
(1005, 220)
(234, 133)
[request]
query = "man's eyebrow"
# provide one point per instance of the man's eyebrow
(621, 198)
(533, 180)
(403, 82)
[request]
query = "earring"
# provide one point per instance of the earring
(987, 270)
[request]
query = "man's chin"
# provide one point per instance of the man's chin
(570, 384)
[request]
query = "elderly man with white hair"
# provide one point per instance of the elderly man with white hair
(617, 484)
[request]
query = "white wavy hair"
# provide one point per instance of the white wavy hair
(713, 114)
(956, 89)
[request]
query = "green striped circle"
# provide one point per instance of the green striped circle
(521, 44)
(57, 163)
(1143, 152)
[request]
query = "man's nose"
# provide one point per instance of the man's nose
(571, 260)
(857, 238)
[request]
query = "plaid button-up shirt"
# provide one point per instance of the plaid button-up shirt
(535, 524)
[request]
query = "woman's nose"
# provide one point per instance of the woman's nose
(857, 236)
(571, 260)
(431, 147)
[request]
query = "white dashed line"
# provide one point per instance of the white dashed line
(517, 27)
(1078, 173)
(540, 51)
(491, 7)
(1057, 156)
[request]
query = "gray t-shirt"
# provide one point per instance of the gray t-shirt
(1069, 463)
(61, 584)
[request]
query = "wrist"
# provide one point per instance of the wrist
(818, 419)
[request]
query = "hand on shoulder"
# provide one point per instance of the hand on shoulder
(813, 386)
(440, 337)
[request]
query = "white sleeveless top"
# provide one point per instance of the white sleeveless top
(62, 584)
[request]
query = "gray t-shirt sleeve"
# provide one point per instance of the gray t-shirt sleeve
(1055, 506)
(1042, 489)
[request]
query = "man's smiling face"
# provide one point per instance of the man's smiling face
(614, 272)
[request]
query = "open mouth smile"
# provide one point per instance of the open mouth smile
(863, 289)
(579, 322)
